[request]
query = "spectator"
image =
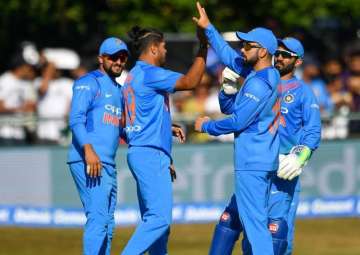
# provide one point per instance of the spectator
(335, 84)
(55, 93)
(196, 105)
(311, 76)
(17, 99)
(353, 84)
(353, 79)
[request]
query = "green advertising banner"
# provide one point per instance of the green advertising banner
(204, 174)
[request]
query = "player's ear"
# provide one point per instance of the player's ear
(298, 62)
(100, 59)
(154, 49)
(262, 52)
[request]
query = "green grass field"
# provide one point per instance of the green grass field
(313, 237)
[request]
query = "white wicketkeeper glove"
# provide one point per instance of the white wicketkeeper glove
(291, 165)
(230, 84)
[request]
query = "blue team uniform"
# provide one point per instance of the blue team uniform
(95, 119)
(300, 124)
(149, 135)
(253, 119)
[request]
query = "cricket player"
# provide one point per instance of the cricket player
(300, 135)
(149, 134)
(95, 122)
(253, 119)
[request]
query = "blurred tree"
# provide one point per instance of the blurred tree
(80, 24)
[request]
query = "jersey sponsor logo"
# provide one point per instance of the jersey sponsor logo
(315, 106)
(284, 110)
(273, 227)
(251, 96)
(135, 128)
(113, 109)
(82, 87)
(225, 216)
(289, 98)
(111, 119)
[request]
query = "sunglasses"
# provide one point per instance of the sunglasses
(122, 56)
(285, 54)
(247, 46)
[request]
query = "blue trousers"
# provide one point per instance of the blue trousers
(282, 202)
(292, 215)
(281, 197)
(150, 168)
(252, 193)
(98, 196)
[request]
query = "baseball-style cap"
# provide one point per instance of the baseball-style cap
(262, 36)
(112, 45)
(293, 45)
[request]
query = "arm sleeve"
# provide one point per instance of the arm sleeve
(311, 134)
(84, 92)
(161, 79)
(250, 103)
(226, 102)
(227, 55)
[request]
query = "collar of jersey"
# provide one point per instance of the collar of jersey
(288, 84)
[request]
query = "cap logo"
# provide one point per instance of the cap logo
(118, 41)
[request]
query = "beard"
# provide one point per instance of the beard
(162, 60)
(114, 70)
(250, 62)
(285, 69)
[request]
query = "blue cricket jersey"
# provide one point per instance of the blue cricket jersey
(254, 111)
(146, 99)
(95, 116)
(300, 122)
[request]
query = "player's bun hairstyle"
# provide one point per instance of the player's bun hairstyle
(142, 38)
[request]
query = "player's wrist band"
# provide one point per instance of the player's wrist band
(303, 153)
(204, 46)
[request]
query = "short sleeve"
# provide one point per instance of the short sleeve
(161, 79)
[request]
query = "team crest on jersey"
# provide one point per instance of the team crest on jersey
(289, 98)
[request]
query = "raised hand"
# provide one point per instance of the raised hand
(203, 20)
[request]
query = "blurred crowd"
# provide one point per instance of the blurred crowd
(35, 95)
(36, 91)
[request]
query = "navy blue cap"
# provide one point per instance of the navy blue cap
(262, 36)
(293, 45)
(111, 46)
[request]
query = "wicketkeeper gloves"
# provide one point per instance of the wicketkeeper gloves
(291, 165)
